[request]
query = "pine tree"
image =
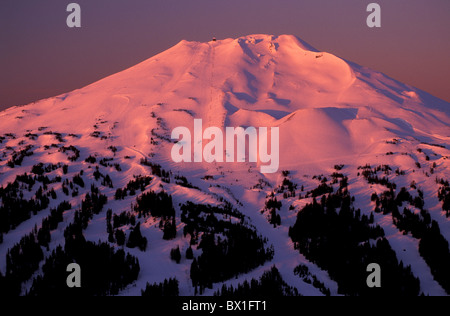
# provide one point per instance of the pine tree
(111, 237)
(170, 229)
(120, 237)
(189, 253)
(275, 219)
(109, 215)
(175, 255)
(168, 288)
(195, 273)
(136, 239)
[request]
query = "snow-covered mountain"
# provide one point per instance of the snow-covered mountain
(346, 131)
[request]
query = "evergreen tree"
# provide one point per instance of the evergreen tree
(175, 255)
(120, 237)
(271, 284)
(195, 273)
(168, 288)
(170, 229)
(111, 237)
(136, 239)
(189, 253)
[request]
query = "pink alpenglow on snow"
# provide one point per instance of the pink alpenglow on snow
(213, 151)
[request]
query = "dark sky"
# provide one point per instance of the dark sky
(41, 57)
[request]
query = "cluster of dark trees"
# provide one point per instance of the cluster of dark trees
(139, 183)
(444, 197)
(91, 159)
(91, 205)
(322, 189)
(158, 205)
(22, 261)
(45, 180)
(182, 180)
(433, 247)
(386, 169)
(105, 162)
(104, 271)
(57, 135)
(228, 249)
(116, 235)
(336, 176)
(271, 284)
(136, 239)
(10, 135)
(155, 204)
(51, 222)
(14, 208)
(66, 184)
(106, 180)
(303, 272)
(74, 150)
(157, 170)
(124, 218)
(78, 180)
(113, 149)
(96, 134)
(272, 205)
(39, 169)
(47, 147)
(287, 187)
(169, 227)
(372, 177)
(31, 136)
(166, 288)
(200, 218)
(339, 242)
(18, 157)
(261, 184)
(388, 202)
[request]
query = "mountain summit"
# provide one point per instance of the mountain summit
(364, 169)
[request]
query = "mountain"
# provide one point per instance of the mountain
(350, 139)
